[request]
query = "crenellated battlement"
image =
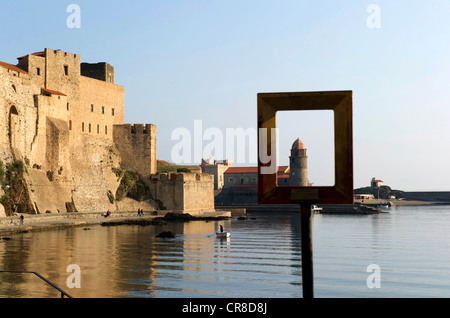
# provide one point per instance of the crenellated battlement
(186, 192)
(141, 129)
(136, 128)
(182, 177)
(61, 53)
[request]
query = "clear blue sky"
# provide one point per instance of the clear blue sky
(182, 61)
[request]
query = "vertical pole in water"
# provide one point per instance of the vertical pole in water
(307, 257)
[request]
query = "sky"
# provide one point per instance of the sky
(188, 62)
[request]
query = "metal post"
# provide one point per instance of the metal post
(307, 248)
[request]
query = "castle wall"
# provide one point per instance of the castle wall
(198, 192)
(56, 77)
(101, 105)
(101, 71)
(17, 112)
(37, 76)
(137, 146)
(57, 141)
(167, 190)
(183, 192)
(231, 179)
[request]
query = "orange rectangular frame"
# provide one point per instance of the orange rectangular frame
(341, 102)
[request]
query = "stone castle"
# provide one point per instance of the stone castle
(62, 124)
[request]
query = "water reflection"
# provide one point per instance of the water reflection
(260, 259)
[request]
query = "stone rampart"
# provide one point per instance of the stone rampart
(183, 192)
(137, 147)
(428, 195)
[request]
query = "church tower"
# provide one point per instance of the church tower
(298, 162)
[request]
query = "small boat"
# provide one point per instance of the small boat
(315, 209)
(383, 206)
(223, 234)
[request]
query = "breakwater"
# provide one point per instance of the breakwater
(443, 196)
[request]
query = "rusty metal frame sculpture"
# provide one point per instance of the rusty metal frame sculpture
(341, 102)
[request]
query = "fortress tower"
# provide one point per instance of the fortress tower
(298, 161)
(137, 147)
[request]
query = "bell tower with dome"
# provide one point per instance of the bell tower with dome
(298, 162)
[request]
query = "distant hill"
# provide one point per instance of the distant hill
(385, 192)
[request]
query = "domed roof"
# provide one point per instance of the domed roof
(298, 144)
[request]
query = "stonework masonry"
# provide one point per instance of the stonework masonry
(65, 120)
(137, 147)
(187, 192)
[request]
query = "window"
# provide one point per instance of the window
(70, 125)
(106, 130)
(92, 108)
(66, 70)
(103, 109)
(98, 129)
(82, 127)
(112, 111)
(38, 71)
(68, 106)
(89, 128)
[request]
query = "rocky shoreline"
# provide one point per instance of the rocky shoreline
(12, 225)
(169, 217)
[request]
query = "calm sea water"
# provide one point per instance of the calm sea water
(262, 258)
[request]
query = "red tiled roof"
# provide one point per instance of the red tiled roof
(12, 67)
(52, 92)
(281, 169)
(242, 170)
(36, 53)
(298, 144)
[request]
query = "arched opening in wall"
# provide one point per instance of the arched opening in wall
(13, 123)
